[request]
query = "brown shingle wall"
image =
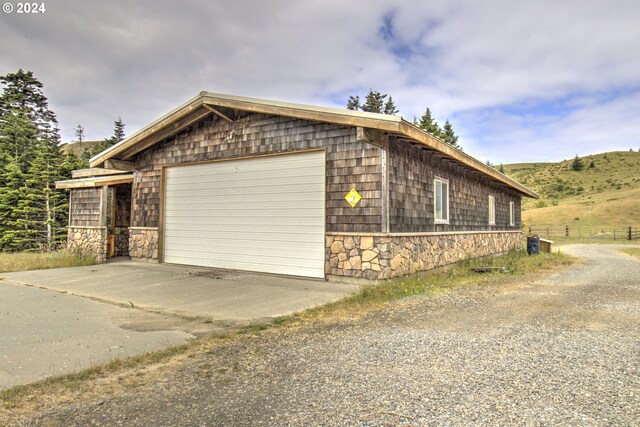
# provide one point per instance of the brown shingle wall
(411, 174)
(85, 207)
(349, 163)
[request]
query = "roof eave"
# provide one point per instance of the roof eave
(196, 108)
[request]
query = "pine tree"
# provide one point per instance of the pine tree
(390, 107)
(428, 124)
(118, 135)
(29, 139)
(353, 103)
(79, 133)
(448, 135)
(577, 164)
(375, 102)
(12, 191)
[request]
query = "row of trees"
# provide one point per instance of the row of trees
(376, 102)
(33, 215)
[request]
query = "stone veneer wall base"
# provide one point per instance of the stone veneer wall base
(88, 241)
(383, 256)
(143, 243)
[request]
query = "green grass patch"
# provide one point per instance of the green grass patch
(632, 251)
(40, 261)
(517, 263)
(370, 297)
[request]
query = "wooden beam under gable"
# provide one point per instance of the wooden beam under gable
(171, 130)
(218, 113)
(120, 164)
(370, 136)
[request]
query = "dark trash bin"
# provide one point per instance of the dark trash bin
(533, 245)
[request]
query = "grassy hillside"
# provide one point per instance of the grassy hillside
(605, 193)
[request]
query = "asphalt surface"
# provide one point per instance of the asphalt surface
(561, 350)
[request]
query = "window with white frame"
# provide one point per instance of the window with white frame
(512, 214)
(492, 210)
(441, 200)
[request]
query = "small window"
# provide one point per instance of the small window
(441, 201)
(512, 214)
(492, 210)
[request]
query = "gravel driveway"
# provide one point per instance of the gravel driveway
(564, 350)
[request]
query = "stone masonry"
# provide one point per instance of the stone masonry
(143, 242)
(383, 256)
(88, 241)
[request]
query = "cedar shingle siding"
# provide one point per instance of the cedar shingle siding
(411, 175)
(85, 203)
(349, 163)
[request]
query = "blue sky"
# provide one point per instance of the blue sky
(520, 81)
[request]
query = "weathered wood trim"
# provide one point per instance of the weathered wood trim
(95, 182)
(93, 172)
(218, 113)
(88, 227)
(226, 159)
(167, 132)
(166, 120)
(104, 194)
(423, 137)
(162, 191)
(192, 111)
(370, 136)
(143, 228)
(430, 233)
(120, 164)
(384, 159)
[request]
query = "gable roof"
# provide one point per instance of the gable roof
(206, 103)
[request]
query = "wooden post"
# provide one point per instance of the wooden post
(566, 231)
(629, 232)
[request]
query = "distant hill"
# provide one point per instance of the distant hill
(78, 147)
(605, 193)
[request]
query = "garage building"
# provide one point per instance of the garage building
(249, 184)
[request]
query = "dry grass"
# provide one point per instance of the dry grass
(603, 195)
(40, 260)
(632, 251)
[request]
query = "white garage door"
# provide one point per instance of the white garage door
(262, 214)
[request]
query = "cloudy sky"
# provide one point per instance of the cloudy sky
(538, 80)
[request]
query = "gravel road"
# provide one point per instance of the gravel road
(564, 350)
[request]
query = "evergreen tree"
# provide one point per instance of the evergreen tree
(79, 133)
(118, 131)
(428, 124)
(353, 103)
(577, 164)
(118, 135)
(29, 139)
(12, 190)
(390, 107)
(448, 135)
(375, 102)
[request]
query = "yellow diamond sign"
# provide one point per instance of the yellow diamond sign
(353, 197)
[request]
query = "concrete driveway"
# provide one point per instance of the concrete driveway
(188, 291)
(54, 322)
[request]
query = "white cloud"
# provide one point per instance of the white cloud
(489, 66)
